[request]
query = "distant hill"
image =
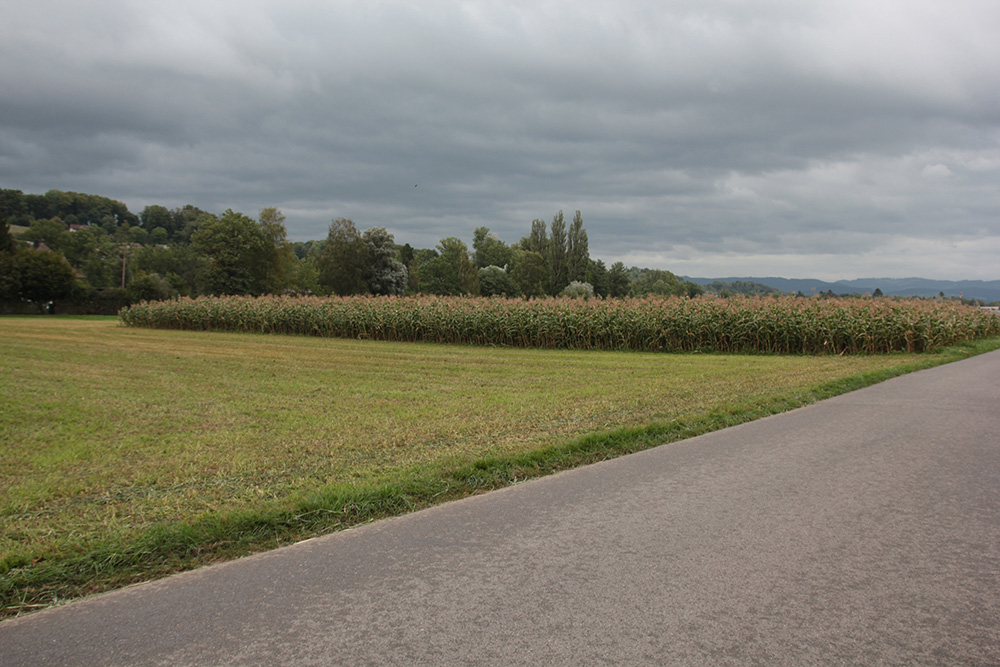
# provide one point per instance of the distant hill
(739, 287)
(984, 290)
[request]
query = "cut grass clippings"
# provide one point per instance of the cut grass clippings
(131, 454)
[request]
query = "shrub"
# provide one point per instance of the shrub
(577, 289)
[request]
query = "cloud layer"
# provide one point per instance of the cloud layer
(709, 137)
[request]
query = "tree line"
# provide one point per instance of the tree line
(91, 250)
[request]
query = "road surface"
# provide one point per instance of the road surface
(864, 529)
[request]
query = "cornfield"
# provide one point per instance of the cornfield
(785, 325)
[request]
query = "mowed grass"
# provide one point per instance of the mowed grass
(130, 453)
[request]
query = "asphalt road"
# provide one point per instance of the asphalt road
(861, 530)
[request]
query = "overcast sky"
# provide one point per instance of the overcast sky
(834, 139)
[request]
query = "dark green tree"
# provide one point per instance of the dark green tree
(344, 262)
(278, 257)
(180, 264)
(159, 236)
(530, 272)
(597, 276)
(538, 240)
(42, 276)
(577, 250)
(494, 281)
(157, 216)
(186, 222)
(137, 235)
(557, 255)
(305, 276)
(92, 251)
(488, 249)
(468, 276)
(52, 232)
(239, 255)
(8, 243)
(386, 274)
(657, 281)
(406, 254)
(78, 208)
(10, 281)
(303, 249)
(692, 289)
(451, 272)
(618, 280)
(420, 257)
(438, 276)
(13, 208)
(150, 287)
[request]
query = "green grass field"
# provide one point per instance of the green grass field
(131, 453)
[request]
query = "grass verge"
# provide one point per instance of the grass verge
(132, 454)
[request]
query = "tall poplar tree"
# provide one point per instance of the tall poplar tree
(577, 251)
(557, 255)
(278, 256)
(538, 240)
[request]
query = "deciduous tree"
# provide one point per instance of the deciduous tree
(181, 264)
(597, 275)
(52, 232)
(343, 264)
(557, 255)
(530, 272)
(538, 239)
(488, 249)
(42, 276)
(278, 256)
(578, 290)
(150, 287)
(451, 271)
(495, 281)
(8, 243)
(13, 208)
(157, 216)
(239, 255)
(618, 280)
(657, 281)
(385, 273)
(577, 250)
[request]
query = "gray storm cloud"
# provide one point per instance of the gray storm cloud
(832, 140)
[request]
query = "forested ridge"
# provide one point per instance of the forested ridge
(93, 252)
